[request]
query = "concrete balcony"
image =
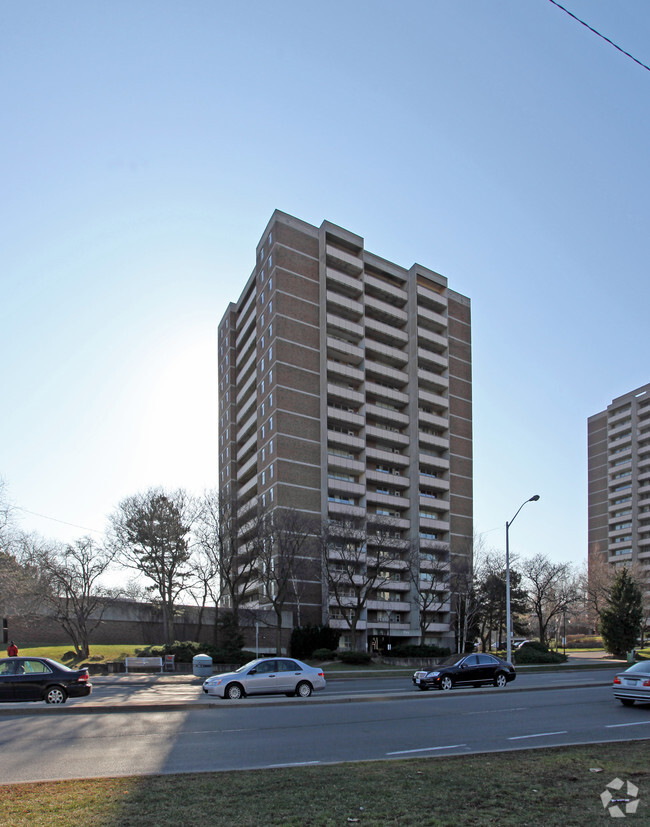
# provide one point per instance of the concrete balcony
(427, 399)
(249, 387)
(385, 312)
(346, 488)
(337, 623)
(345, 418)
(245, 410)
(345, 440)
(388, 606)
(387, 354)
(345, 510)
(344, 306)
(432, 341)
(380, 413)
(343, 282)
(386, 437)
(385, 333)
(394, 479)
(348, 262)
(390, 292)
(432, 441)
(344, 351)
(248, 488)
(431, 320)
(344, 373)
(432, 420)
(247, 427)
(249, 446)
(432, 461)
(375, 371)
(345, 464)
(432, 381)
(397, 398)
(382, 457)
(247, 329)
(387, 500)
(249, 467)
(431, 524)
(352, 331)
(435, 483)
(428, 360)
(432, 299)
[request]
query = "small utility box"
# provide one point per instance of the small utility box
(202, 666)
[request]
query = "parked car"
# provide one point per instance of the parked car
(461, 670)
(633, 684)
(267, 676)
(41, 679)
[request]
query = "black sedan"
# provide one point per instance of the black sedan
(41, 679)
(464, 670)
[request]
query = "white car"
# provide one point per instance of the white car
(633, 684)
(267, 676)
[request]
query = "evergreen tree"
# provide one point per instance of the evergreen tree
(621, 619)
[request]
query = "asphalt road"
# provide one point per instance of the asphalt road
(286, 732)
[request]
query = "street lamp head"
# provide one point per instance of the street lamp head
(534, 498)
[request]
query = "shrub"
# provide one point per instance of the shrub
(406, 650)
(307, 639)
(353, 656)
(535, 652)
(184, 651)
(324, 654)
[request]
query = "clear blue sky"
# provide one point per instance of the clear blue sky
(145, 145)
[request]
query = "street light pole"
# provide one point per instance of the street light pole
(532, 499)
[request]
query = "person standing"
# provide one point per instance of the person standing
(12, 650)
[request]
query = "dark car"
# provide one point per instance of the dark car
(463, 670)
(41, 679)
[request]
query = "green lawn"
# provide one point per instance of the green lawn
(550, 787)
(98, 653)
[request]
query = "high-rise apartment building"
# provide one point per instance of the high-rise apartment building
(619, 484)
(345, 390)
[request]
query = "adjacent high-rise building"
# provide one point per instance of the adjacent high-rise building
(345, 388)
(619, 484)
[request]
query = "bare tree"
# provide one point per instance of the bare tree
(465, 605)
(428, 572)
(150, 532)
(279, 559)
(357, 560)
(74, 593)
(552, 590)
(229, 542)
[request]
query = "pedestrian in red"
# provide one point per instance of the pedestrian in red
(12, 650)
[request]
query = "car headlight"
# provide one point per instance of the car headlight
(432, 674)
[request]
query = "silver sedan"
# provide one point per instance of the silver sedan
(633, 684)
(267, 676)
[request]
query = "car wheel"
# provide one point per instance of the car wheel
(500, 680)
(55, 695)
(627, 701)
(446, 683)
(303, 690)
(476, 685)
(423, 688)
(234, 692)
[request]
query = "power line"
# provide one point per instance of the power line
(591, 29)
(54, 520)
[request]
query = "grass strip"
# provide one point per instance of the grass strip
(555, 786)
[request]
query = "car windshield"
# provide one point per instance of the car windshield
(247, 666)
(452, 660)
(641, 666)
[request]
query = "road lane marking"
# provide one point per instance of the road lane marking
(297, 764)
(633, 723)
(425, 749)
(537, 735)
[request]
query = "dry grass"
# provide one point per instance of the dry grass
(550, 787)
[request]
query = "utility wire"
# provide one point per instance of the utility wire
(611, 42)
(54, 520)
